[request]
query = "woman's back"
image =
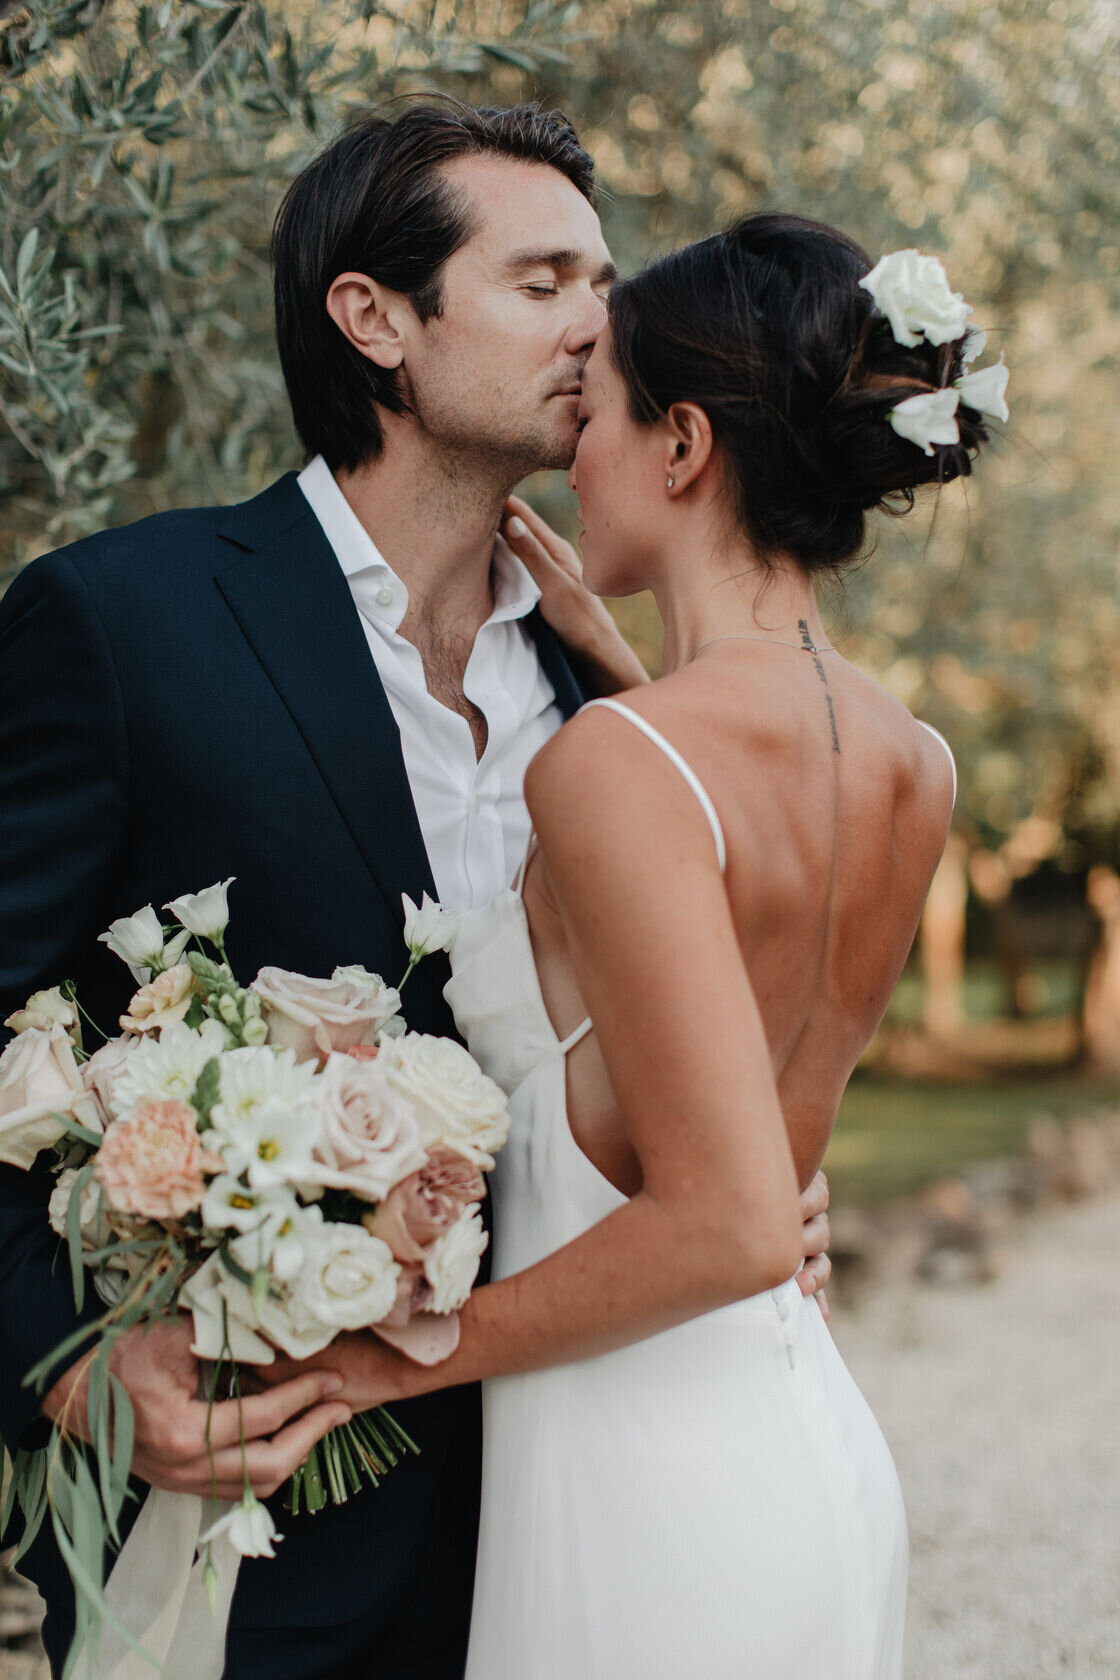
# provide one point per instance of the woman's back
(835, 805)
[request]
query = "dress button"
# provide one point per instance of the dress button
(384, 596)
(782, 1305)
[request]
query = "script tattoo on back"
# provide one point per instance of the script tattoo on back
(807, 643)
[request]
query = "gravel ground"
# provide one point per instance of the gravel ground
(999, 1402)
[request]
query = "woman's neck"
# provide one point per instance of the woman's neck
(704, 599)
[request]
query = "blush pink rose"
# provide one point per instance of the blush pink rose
(104, 1068)
(315, 1017)
(426, 1204)
(152, 1164)
(163, 1000)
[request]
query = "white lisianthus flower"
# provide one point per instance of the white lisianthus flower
(428, 927)
(138, 941)
(255, 1076)
(348, 1280)
(206, 913)
(44, 1009)
(912, 291)
(456, 1104)
(451, 1262)
(928, 418)
(168, 1066)
(985, 390)
(273, 1144)
(249, 1528)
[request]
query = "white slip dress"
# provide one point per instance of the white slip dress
(713, 1503)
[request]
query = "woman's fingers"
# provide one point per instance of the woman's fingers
(532, 538)
(814, 1199)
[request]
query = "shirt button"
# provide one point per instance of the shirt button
(384, 596)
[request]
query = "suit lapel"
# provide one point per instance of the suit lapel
(554, 665)
(290, 597)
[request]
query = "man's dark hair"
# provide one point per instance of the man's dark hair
(376, 203)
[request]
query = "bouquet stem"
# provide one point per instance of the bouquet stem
(343, 1462)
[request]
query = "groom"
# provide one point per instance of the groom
(332, 693)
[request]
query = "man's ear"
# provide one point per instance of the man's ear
(370, 316)
(689, 444)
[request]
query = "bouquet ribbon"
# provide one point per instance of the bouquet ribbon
(156, 1590)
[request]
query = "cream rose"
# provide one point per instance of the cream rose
(348, 1281)
(314, 1017)
(425, 1205)
(451, 1264)
(44, 1010)
(456, 1104)
(226, 1316)
(39, 1079)
(368, 1136)
(163, 1000)
(152, 1164)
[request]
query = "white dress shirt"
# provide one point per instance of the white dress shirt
(472, 811)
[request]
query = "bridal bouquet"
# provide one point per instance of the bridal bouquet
(285, 1161)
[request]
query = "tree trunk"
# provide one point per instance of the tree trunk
(942, 942)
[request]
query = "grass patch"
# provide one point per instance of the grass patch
(894, 1135)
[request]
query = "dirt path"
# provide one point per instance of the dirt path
(1001, 1403)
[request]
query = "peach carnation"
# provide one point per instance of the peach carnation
(152, 1164)
(163, 1000)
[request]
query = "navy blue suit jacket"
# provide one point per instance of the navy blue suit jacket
(181, 700)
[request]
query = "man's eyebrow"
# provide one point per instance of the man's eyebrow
(521, 261)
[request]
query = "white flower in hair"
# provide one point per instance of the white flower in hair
(913, 293)
(985, 390)
(928, 418)
(974, 345)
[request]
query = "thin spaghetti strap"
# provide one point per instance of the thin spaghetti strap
(937, 735)
(519, 878)
(685, 769)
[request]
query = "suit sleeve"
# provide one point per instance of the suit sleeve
(63, 814)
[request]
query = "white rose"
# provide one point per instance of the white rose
(928, 418)
(39, 1079)
(348, 1281)
(456, 1104)
(369, 1138)
(206, 913)
(429, 927)
(225, 1311)
(451, 1263)
(913, 293)
(45, 1009)
(314, 1017)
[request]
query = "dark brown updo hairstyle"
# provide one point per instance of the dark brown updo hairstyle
(767, 328)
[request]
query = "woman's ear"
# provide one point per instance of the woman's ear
(689, 445)
(370, 316)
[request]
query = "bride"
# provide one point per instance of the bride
(680, 1477)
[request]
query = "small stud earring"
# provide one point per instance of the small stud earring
(670, 482)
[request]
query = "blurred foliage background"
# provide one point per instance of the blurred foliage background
(143, 151)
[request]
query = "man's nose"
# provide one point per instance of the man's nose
(587, 323)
